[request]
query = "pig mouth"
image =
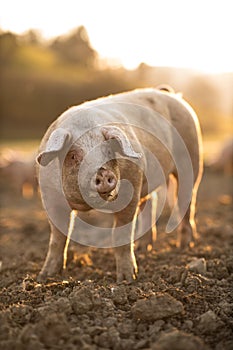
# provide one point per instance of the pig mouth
(96, 200)
(101, 200)
(110, 196)
(104, 198)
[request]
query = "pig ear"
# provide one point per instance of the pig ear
(56, 142)
(113, 132)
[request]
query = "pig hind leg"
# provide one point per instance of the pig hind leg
(186, 228)
(147, 223)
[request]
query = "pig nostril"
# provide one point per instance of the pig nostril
(110, 180)
(97, 181)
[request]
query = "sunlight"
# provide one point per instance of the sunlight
(159, 34)
(73, 215)
(27, 191)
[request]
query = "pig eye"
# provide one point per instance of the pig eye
(72, 155)
(110, 153)
(73, 158)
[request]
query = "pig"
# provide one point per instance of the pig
(142, 137)
(17, 172)
(223, 162)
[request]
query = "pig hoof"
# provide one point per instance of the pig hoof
(185, 238)
(127, 276)
(44, 275)
(185, 245)
(52, 269)
(124, 277)
(41, 277)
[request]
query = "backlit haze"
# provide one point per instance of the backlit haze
(189, 34)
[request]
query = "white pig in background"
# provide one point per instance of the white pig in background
(19, 173)
(111, 154)
(223, 162)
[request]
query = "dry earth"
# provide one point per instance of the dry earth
(181, 300)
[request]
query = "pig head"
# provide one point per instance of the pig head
(98, 177)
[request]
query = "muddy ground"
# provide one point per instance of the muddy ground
(177, 302)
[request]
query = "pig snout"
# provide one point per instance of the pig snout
(105, 181)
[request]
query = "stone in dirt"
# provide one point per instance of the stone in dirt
(157, 307)
(198, 266)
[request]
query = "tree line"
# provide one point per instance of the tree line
(40, 79)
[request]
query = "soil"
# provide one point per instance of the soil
(181, 299)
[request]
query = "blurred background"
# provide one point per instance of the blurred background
(57, 54)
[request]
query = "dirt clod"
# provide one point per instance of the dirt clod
(81, 300)
(157, 307)
(179, 341)
(208, 322)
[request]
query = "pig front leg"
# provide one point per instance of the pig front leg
(54, 260)
(126, 265)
